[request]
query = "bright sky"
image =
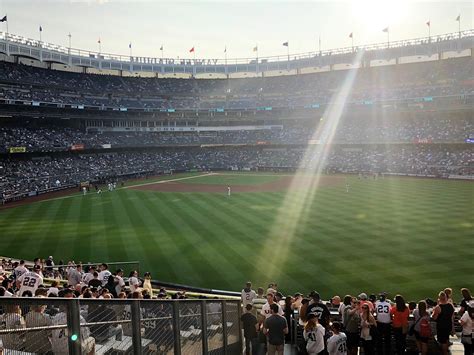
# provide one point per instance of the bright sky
(209, 26)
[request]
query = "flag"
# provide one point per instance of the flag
(191, 50)
(350, 35)
(130, 45)
(161, 48)
(225, 49)
(3, 19)
(458, 18)
(285, 44)
(255, 49)
(41, 29)
(98, 41)
(385, 29)
(428, 23)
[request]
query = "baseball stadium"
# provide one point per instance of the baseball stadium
(158, 187)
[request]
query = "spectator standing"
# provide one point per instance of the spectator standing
(367, 324)
(466, 298)
(384, 331)
(337, 342)
(259, 301)
(120, 284)
(133, 281)
(275, 328)
(30, 281)
(313, 334)
(266, 311)
(443, 314)
(250, 325)
(74, 276)
(400, 314)
(247, 294)
(421, 315)
(467, 330)
(95, 282)
(104, 273)
(317, 307)
(351, 325)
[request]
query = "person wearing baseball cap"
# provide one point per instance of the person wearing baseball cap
(313, 334)
(317, 307)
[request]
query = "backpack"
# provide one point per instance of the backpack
(425, 328)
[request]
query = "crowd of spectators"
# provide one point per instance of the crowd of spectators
(29, 175)
(360, 130)
(430, 79)
(44, 279)
(376, 324)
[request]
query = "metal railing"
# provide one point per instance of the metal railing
(128, 326)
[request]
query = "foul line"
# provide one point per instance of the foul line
(79, 194)
(169, 180)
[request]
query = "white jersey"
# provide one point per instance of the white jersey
(19, 270)
(104, 276)
(134, 283)
(382, 309)
(267, 312)
(30, 282)
(314, 340)
(337, 344)
(120, 284)
(247, 297)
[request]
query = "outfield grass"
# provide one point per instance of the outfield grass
(412, 236)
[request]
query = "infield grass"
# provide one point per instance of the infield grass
(400, 235)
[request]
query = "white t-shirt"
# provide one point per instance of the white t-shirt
(29, 282)
(247, 297)
(337, 344)
(120, 284)
(104, 276)
(383, 311)
(467, 327)
(87, 277)
(267, 312)
(314, 339)
(134, 283)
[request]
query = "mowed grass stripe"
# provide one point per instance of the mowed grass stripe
(189, 269)
(161, 243)
(137, 240)
(48, 244)
(25, 229)
(205, 253)
(225, 230)
(250, 236)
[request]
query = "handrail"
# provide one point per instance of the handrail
(231, 61)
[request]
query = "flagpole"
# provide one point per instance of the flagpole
(459, 26)
(69, 35)
(162, 55)
(7, 24)
(388, 38)
(40, 30)
(352, 40)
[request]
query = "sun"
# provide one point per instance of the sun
(377, 14)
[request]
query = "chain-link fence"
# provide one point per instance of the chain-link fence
(116, 326)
